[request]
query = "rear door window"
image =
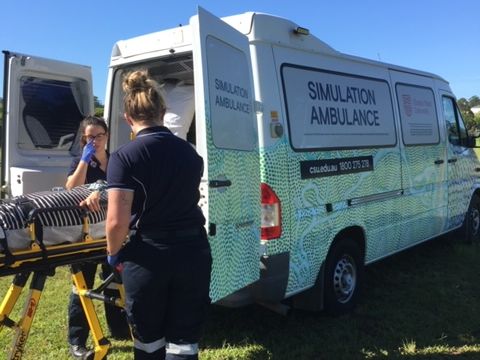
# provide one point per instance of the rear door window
(50, 113)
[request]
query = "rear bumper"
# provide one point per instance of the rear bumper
(269, 288)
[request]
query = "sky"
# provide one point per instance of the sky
(438, 36)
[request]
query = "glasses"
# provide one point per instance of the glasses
(98, 137)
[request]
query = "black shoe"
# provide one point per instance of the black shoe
(80, 352)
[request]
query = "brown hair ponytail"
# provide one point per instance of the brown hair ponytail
(142, 101)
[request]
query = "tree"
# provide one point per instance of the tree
(474, 101)
(99, 111)
(467, 114)
(98, 106)
(463, 105)
(476, 118)
(96, 102)
(470, 122)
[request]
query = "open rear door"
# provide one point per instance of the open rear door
(44, 100)
(228, 142)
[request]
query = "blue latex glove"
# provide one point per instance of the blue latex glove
(114, 260)
(88, 151)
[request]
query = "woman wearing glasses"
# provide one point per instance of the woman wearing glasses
(85, 169)
(92, 164)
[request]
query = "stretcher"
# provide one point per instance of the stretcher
(38, 233)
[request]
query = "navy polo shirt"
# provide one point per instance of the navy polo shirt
(94, 172)
(164, 171)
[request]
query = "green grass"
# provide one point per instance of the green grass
(421, 304)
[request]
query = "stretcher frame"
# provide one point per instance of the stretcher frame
(42, 262)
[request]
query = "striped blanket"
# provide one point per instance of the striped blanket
(59, 225)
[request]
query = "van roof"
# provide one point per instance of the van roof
(258, 27)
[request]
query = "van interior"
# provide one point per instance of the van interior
(177, 68)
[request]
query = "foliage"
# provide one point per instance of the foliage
(471, 121)
(474, 101)
(477, 118)
(98, 106)
(99, 111)
(421, 304)
(96, 102)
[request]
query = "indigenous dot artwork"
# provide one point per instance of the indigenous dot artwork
(234, 211)
(405, 199)
(415, 207)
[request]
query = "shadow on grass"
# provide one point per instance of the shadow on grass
(421, 304)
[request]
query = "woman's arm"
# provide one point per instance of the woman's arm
(78, 177)
(118, 218)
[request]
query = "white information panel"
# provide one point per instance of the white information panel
(335, 111)
(417, 115)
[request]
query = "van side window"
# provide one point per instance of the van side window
(418, 115)
(50, 114)
(456, 130)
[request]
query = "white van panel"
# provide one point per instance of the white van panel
(28, 180)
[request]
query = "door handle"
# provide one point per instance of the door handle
(439, 161)
(219, 183)
(453, 160)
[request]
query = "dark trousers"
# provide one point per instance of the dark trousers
(167, 295)
(78, 328)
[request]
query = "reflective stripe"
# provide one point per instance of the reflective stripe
(121, 189)
(149, 347)
(155, 133)
(182, 349)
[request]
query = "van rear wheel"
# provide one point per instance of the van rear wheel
(471, 224)
(344, 273)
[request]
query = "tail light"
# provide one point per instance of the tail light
(271, 223)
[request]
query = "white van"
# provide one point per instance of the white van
(317, 162)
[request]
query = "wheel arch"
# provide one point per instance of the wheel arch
(355, 233)
(476, 192)
(313, 298)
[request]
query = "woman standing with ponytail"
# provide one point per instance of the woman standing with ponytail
(153, 194)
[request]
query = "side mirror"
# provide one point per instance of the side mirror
(471, 142)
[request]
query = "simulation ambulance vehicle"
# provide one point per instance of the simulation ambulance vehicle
(317, 163)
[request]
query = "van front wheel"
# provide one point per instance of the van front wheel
(344, 272)
(472, 221)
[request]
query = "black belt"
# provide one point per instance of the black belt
(169, 234)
